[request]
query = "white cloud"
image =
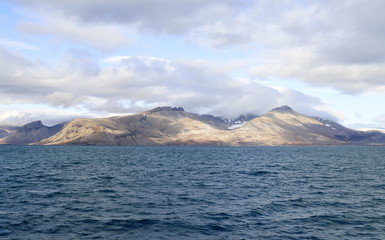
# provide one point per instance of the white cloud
(64, 99)
(62, 29)
(48, 116)
(305, 64)
(336, 44)
(380, 119)
(171, 16)
(131, 84)
(328, 43)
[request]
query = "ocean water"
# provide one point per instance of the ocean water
(92, 192)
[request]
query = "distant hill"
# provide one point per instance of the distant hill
(7, 130)
(29, 133)
(174, 126)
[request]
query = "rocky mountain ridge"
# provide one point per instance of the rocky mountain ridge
(174, 126)
(29, 133)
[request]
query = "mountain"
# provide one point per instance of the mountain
(29, 133)
(283, 126)
(174, 126)
(7, 130)
(163, 125)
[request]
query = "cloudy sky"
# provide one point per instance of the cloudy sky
(94, 58)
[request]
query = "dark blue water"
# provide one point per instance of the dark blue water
(63, 192)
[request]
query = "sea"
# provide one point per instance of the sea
(179, 192)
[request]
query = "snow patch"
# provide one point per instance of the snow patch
(382, 130)
(236, 125)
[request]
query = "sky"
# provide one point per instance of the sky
(64, 59)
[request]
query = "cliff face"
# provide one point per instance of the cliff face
(174, 126)
(31, 132)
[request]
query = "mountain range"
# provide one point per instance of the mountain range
(174, 126)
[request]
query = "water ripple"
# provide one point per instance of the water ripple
(60, 192)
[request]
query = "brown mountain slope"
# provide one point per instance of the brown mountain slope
(154, 127)
(174, 126)
(283, 126)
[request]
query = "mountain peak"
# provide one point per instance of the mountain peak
(33, 125)
(283, 108)
(167, 108)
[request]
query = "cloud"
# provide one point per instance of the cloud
(14, 69)
(335, 44)
(48, 116)
(380, 119)
(11, 61)
(331, 44)
(168, 16)
(360, 33)
(62, 29)
(306, 65)
(132, 84)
